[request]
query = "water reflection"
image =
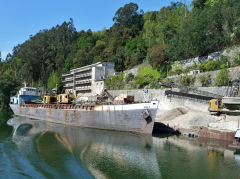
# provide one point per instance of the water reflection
(181, 157)
(42, 149)
(104, 154)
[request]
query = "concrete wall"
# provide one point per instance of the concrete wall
(166, 103)
(215, 90)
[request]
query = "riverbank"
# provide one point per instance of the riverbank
(195, 123)
(189, 116)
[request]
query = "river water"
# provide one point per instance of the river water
(38, 149)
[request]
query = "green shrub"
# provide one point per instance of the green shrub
(129, 77)
(211, 65)
(224, 62)
(171, 73)
(187, 80)
(193, 67)
(115, 82)
(201, 67)
(168, 80)
(236, 61)
(146, 75)
(205, 79)
(222, 66)
(222, 78)
(178, 71)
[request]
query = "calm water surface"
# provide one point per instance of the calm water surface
(38, 149)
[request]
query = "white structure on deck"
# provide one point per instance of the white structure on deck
(88, 80)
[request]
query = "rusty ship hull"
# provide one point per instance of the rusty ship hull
(137, 118)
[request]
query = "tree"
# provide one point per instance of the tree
(8, 87)
(128, 15)
(129, 77)
(205, 79)
(53, 80)
(187, 80)
(222, 78)
(199, 3)
(158, 54)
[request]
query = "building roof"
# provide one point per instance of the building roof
(87, 66)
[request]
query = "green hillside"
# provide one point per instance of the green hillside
(173, 33)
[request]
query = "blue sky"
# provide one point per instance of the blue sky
(21, 18)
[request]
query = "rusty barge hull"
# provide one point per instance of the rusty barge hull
(110, 117)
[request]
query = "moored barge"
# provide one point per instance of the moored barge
(137, 117)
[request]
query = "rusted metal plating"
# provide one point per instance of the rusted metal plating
(58, 106)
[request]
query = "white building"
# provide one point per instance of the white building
(88, 80)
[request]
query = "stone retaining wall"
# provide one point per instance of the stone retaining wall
(234, 74)
(231, 53)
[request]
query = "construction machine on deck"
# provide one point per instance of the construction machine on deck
(65, 98)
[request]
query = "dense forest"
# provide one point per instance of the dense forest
(161, 37)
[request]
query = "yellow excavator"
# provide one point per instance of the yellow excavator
(65, 98)
(49, 99)
(215, 105)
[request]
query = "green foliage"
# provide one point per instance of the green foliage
(128, 15)
(162, 37)
(53, 79)
(222, 78)
(8, 87)
(146, 75)
(187, 80)
(85, 42)
(177, 71)
(115, 82)
(129, 77)
(212, 65)
(205, 79)
(157, 54)
(135, 52)
(169, 81)
(236, 61)
(200, 4)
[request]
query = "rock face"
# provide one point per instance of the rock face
(231, 53)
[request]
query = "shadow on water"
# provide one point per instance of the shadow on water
(160, 128)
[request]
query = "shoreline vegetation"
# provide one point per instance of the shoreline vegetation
(176, 32)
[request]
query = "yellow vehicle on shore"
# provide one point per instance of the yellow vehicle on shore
(65, 98)
(215, 105)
